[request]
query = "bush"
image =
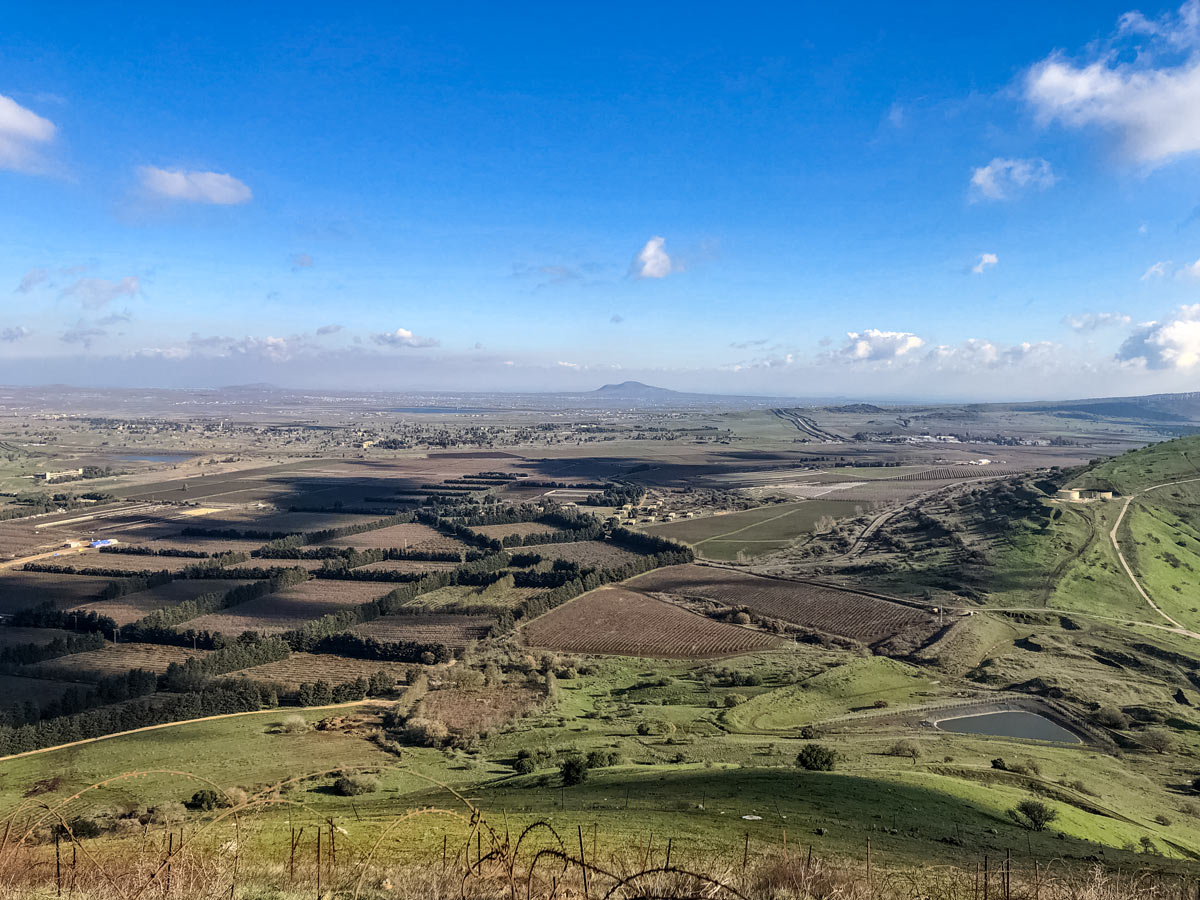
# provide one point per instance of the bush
(524, 765)
(732, 700)
(1033, 814)
(909, 749)
(1110, 717)
(817, 758)
(574, 770)
(353, 785)
(206, 800)
(294, 724)
(809, 732)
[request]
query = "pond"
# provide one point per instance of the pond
(1010, 723)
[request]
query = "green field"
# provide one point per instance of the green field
(754, 532)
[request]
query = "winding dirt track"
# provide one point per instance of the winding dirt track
(1180, 629)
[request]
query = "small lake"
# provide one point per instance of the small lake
(1011, 723)
(153, 457)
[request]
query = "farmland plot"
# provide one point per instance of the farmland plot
(620, 622)
(588, 553)
(301, 668)
(289, 522)
(133, 563)
(413, 536)
(132, 607)
(753, 532)
(851, 615)
(958, 472)
(115, 659)
(12, 636)
(21, 590)
(19, 688)
(472, 712)
(453, 631)
(408, 565)
(289, 608)
(521, 528)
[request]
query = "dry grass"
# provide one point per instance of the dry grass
(132, 607)
(470, 712)
(455, 851)
(451, 630)
(310, 667)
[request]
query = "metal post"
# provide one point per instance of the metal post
(583, 863)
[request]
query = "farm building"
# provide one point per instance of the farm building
(1075, 494)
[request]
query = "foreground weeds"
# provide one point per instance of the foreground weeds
(48, 849)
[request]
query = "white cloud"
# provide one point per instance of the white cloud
(328, 329)
(1085, 322)
(22, 131)
(985, 260)
(652, 261)
(194, 187)
(974, 354)
(402, 337)
(568, 365)
(1148, 98)
(1158, 270)
(1002, 178)
(1193, 269)
(876, 345)
(96, 293)
(1173, 344)
(16, 333)
(32, 279)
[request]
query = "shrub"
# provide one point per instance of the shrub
(353, 785)
(1111, 717)
(1158, 740)
(205, 800)
(574, 770)
(881, 704)
(809, 732)
(1033, 814)
(732, 700)
(294, 724)
(524, 765)
(817, 758)
(910, 749)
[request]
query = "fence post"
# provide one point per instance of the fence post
(57, 865)
(746, 852)
(318, 861)
(985, 878)
(868, 862)
(170, 850)
(670, 841)
(583, 863)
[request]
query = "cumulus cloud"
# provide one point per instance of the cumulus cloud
(402, 337)
(1003, 178)
(328, 329)
(96, 293)
(1146, 99)
(16, 333)
(974, 354)
(32, 279)
(652, 261)
(1085, 322)
(875, 345)
(568, 365)
(985, 260)
(194, 187)
(1158, 270)
(22, 133)
(301, 261)
(1171, 344)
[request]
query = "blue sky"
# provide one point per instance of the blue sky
(951, 200)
